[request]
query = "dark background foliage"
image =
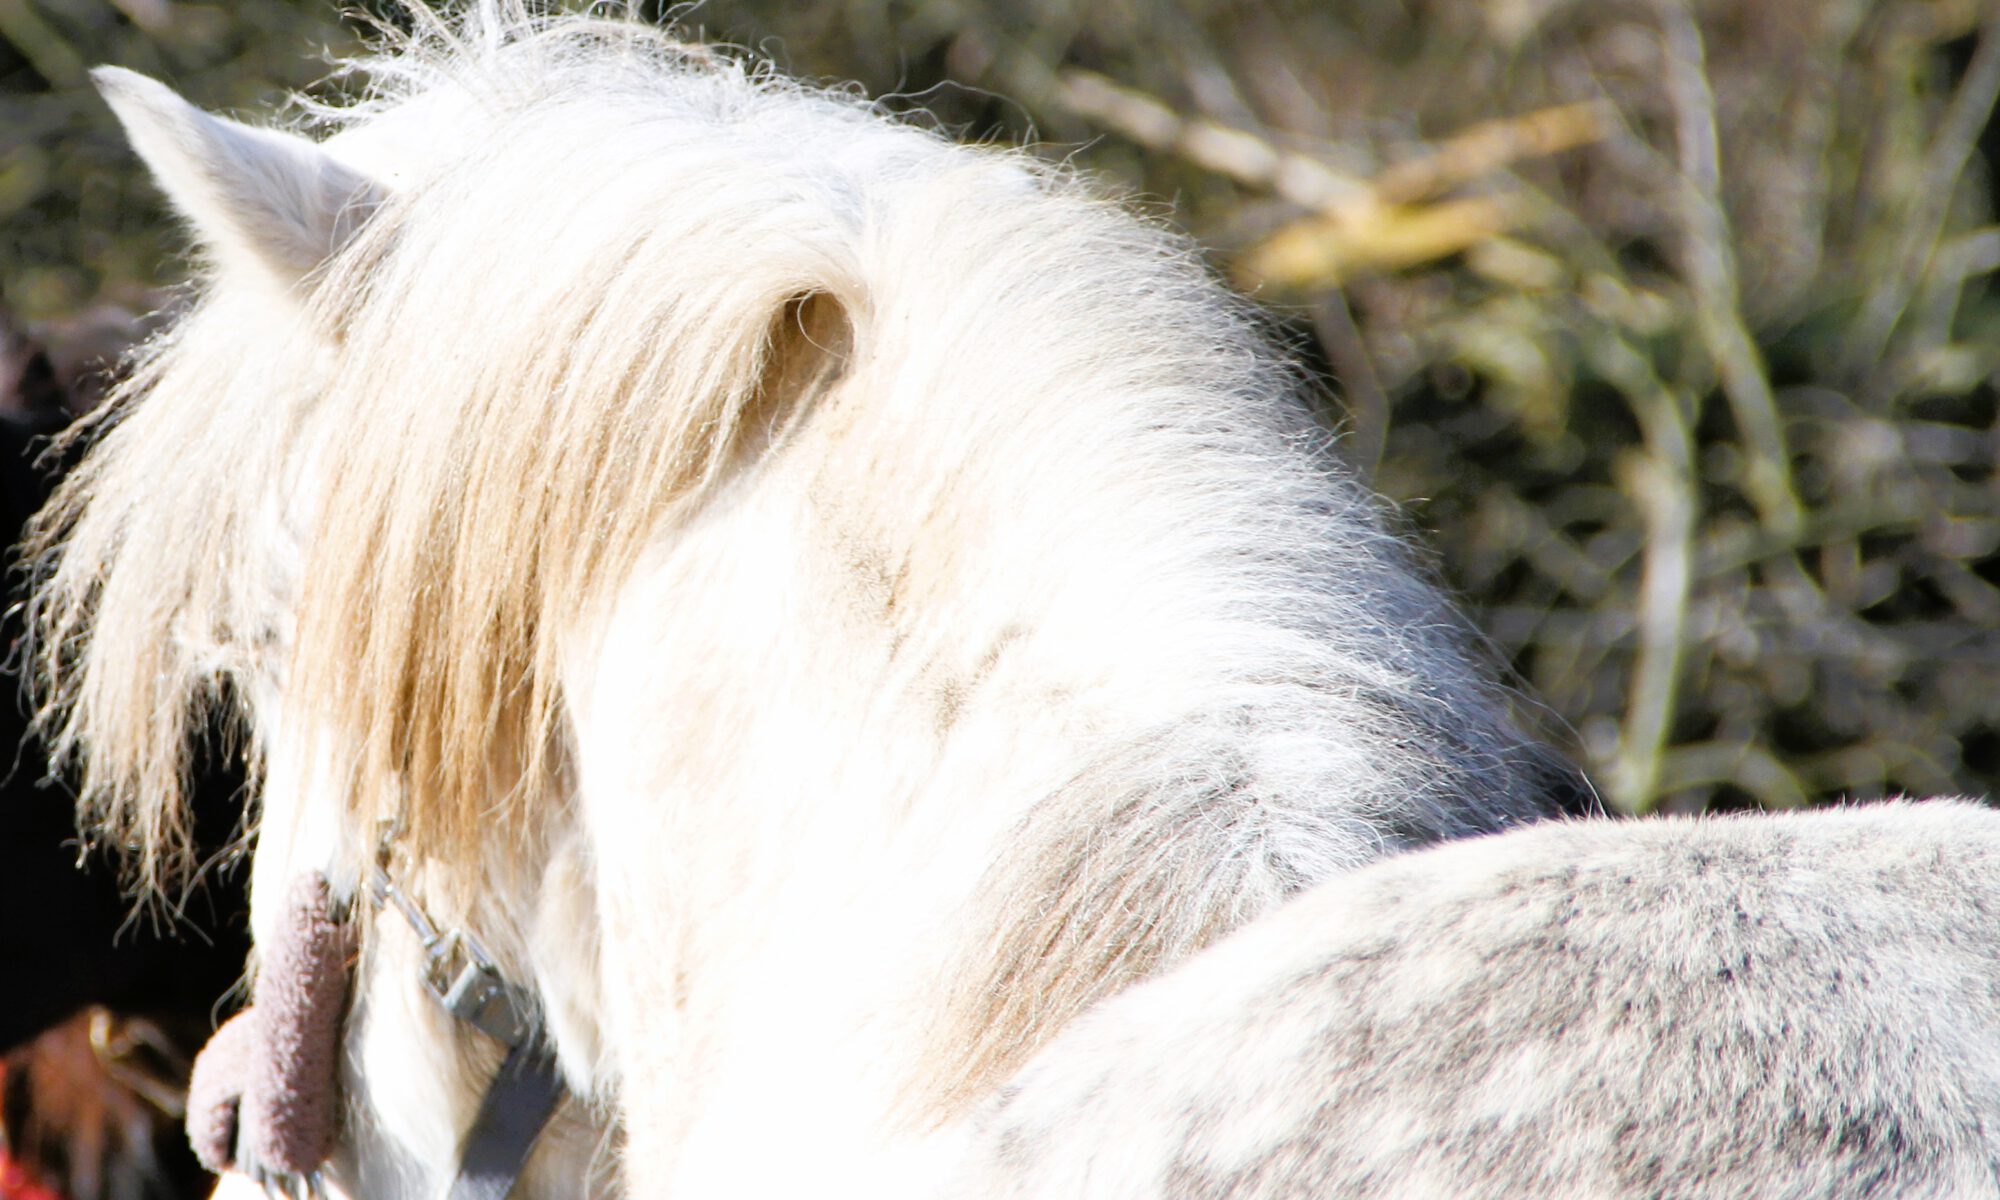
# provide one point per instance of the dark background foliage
(1673, 323)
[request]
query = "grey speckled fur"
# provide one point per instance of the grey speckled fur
(1772, 1006)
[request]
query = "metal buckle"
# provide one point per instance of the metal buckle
(465, 979)
(459, 972)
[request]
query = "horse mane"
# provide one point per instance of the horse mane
(449, 523)
(609, 273)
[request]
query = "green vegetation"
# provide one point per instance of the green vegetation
(1675, 324)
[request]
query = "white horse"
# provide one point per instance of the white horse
(823, 604)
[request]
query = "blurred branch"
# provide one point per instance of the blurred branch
(1968, 113)
(1661, 484)
(1742, 764)
(1388, 222)
(1709, 266)
(38, 42)
(1367, 404)
(1244, 157)
(1325, 249)
(1491, 146)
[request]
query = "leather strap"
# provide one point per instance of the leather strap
(467, 983)
(517, 1104)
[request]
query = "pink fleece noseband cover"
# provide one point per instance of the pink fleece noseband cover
(263, 1096)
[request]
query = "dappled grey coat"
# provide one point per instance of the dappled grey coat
(1769, 1006)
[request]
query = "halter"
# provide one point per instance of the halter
(268, 1075)
(466, 982)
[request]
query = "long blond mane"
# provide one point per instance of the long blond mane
(467, 490)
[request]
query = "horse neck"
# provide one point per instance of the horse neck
(812, 726)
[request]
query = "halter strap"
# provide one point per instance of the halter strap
(466, 982)
(517, 1104)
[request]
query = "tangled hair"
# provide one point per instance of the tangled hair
(450, 522)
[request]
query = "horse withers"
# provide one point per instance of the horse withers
(1738, 1008)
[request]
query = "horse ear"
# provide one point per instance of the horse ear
(256, 198)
